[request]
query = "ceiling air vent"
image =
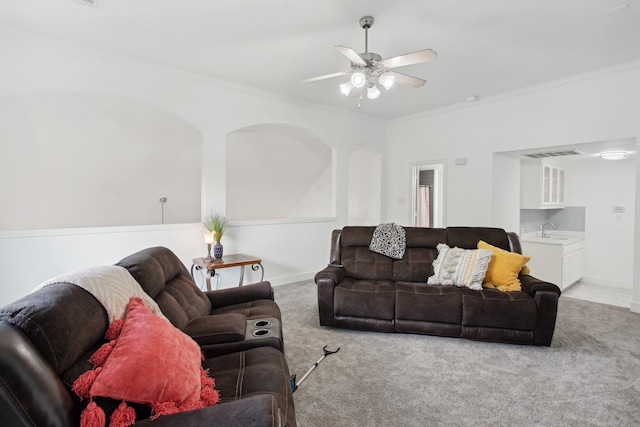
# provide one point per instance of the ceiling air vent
(554, 154)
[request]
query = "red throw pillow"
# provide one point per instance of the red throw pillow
(149, 362)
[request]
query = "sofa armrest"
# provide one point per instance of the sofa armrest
(217, 328)
(255, 411)
(231, 296)
(327, 280)
(546, 296)
(30, 391)
(531, 285)
(332, 272)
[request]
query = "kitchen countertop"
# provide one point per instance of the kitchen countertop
(554, 237)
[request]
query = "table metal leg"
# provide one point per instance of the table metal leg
(208, 275)
(241, 275)
(255, 267)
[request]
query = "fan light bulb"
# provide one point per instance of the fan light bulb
(373, 92)
(346, 88)
(386, 81)
(358, 80)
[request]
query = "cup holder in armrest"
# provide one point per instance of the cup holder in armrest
(263, 328)
(263, 323)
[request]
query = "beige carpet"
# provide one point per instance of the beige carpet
(590, 376)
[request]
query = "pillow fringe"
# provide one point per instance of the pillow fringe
(92, 416)
(123, 416)
(82, 385)
(114, 329)
(100, 356)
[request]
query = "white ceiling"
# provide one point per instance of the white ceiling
(484, 47)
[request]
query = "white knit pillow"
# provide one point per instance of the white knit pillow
(460, 267)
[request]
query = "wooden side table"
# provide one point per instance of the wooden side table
(232, 260)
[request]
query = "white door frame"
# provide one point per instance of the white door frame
(439, 168)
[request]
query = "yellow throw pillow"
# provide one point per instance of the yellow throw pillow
(503, 269)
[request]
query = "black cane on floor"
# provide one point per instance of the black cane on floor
(292, 380)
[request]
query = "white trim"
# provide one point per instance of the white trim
(251, 222)
(16, 234)
(635, 307)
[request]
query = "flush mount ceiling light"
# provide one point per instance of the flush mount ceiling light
(614, 155)
(368, 69)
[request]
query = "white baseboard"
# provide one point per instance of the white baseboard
(635, 307)
(284, 280)
(606, 282)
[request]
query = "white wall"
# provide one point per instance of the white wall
(276, 172)
(595, 107)
(95, 160)
(599, 185)
(364, 186)
(33, 64)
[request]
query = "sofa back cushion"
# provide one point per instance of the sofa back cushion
(358, 261)
(468, 237)
(63, 321)
(417, 263)
(163, 276)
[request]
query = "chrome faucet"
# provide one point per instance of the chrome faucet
(542, 230)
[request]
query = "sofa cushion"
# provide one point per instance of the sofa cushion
(163, 276)
(365, 298)
(417, 263)
(460, 267)
(428, 303)
(359, 262)
(62, 320)
(362, 264)
(416, 266)
(504, 268)
(254, 372)
(494, 309)
(468, 237)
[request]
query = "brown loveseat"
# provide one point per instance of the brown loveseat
(47, 337)
(364, 290)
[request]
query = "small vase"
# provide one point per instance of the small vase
(217, 250)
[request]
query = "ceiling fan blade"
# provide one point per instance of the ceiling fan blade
(410, 58)
(403, 79)
(351, 55)
(326, 76)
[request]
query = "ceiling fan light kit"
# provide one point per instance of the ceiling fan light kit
(368, 69)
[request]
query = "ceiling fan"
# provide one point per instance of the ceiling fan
(369, 68)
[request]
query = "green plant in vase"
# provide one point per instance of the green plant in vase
(216, 224)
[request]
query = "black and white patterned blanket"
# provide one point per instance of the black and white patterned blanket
(390, 240)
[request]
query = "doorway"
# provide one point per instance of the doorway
(428, 194)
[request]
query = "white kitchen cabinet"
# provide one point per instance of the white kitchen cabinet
(541, 186)
(561, 264)
(572, 263)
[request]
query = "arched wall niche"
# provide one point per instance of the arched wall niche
(276, 172)
(73, 160)
(364, 185)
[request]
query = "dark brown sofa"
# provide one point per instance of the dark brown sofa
(47, 337)
(364, 290)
